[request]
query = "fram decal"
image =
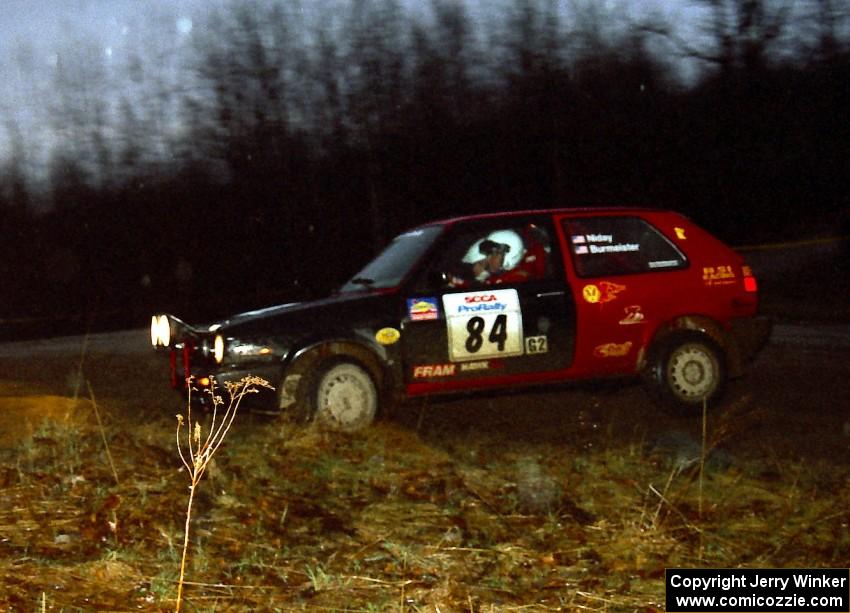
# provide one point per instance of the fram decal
(423, 308)
(603, 292)
(612, 350)
(634, 315)
(426, 371)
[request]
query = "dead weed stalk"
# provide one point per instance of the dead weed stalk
(200, 449)
(103, 434)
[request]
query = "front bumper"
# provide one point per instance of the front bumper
(204, 377)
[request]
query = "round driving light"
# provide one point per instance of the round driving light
(164, 331)
(154, 330)
(218, 348)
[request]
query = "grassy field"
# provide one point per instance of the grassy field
(411, 515)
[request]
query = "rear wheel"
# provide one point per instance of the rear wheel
(688, 370)
(345, 396)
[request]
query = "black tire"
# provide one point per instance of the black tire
(344, 396)
(687, 370)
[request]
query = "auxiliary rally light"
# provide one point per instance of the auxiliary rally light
(160, 331)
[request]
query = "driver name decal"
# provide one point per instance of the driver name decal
(600, 243)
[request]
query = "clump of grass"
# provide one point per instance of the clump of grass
(197, 450)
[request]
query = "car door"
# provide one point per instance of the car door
(626, 275)
(491, 307)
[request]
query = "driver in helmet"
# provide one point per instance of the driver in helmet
(492, 257)
(493, 262)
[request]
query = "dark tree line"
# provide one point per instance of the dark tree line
(281, 147)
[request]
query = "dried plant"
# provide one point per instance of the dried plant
(197, 449)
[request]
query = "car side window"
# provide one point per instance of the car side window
(486, 255)
(602, 246)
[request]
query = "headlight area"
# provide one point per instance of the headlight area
(221, 359)
(202, 356)
(160, 331)
(236, 351)
(218, 349)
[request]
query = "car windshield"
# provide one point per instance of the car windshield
(394, 262)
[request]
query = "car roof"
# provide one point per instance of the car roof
(603, 210)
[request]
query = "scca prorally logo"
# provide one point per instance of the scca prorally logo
(475, 303)
(479, 298)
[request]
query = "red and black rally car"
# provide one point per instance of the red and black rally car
(499, 300)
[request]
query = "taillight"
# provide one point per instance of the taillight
(750, 284)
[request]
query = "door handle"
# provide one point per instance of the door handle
(549, 294)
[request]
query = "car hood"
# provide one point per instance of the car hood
(344, 309)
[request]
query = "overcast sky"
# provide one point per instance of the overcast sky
(36, 34)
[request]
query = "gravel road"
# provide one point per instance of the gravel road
(795, 401)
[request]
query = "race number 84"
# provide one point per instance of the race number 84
(483, 325)
(498, 333)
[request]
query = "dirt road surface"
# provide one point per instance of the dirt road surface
(794, 403)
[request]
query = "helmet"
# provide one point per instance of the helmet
(507, 242)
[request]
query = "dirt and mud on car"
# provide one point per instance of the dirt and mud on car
(495, 301)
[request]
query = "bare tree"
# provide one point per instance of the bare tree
(825, 21)
(80, 110)
(442, 55)
(742, 36)
(375, 64)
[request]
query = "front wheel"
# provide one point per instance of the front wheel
(345, 397)
(687, 371)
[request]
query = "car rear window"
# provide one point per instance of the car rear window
(602, 246)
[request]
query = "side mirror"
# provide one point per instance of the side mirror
(432, 281)
(439, 279)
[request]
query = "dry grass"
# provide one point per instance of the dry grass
(304, 519)
(199, 444)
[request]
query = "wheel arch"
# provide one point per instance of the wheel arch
(701, 324)
(308, 359)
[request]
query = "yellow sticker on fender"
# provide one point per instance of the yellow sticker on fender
(387, 336)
